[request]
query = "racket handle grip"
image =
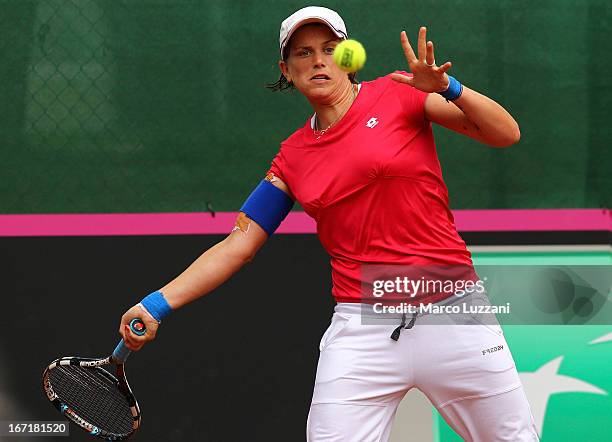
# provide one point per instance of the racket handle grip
(121, 352)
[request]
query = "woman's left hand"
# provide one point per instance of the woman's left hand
(426, 76)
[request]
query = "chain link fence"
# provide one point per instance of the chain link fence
(152, 106)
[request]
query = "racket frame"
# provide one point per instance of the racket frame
(119, 380)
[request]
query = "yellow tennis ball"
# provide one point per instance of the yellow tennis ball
(350, 55)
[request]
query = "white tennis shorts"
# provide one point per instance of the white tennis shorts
(466, 371)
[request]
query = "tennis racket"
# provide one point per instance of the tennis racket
(93, 398)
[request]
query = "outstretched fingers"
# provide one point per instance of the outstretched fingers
(408, 52)
(422, 43)
(430, 58)
(445, 67)
(426, 53)
(426, 76)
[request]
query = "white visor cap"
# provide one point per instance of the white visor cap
(311, 14)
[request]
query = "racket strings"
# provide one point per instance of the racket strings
(93, 396)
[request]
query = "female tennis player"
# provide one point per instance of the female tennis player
(364, 166)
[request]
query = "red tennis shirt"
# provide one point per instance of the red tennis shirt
(374, 186)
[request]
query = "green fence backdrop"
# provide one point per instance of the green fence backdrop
(153, 106)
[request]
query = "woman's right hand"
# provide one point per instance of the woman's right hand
(132, 340)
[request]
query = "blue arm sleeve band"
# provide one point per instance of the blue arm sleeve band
(156, 304)
(267, 206)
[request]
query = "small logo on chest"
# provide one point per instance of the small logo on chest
(372, 122)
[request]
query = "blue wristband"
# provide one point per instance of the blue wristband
(454, 90)
(156, 304)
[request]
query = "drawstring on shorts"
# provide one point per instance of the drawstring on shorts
(396, 333)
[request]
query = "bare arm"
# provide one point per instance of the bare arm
(220, 262)
(475, 116)
(215, 266)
